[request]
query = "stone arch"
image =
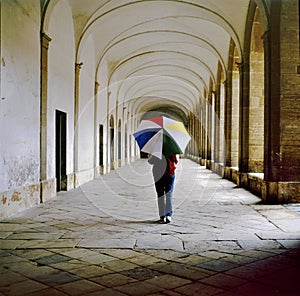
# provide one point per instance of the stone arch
(47, 10)
(61, 79)
(264, 10)
(218, 122)
(254, 32)
(231, 120)
(209, 125)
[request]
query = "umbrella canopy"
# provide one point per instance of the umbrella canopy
(162, 135)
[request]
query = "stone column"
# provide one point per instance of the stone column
(116, 163)
(204, 133)
(200, 140)
(209, 130)
(272, 156)
(45, 40)
(200, 131)
(190, 132)
(194, 137)
(198, 137)
(228, 124)
(194, 133)
(47, 187)
(243, 123)
(216, 118)
(96, 132)
(76, 119)
(281, 147)
(108, 131)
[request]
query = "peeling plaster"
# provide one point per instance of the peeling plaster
(22, 171)
(4, 200)
(14, 201)
(16, 197)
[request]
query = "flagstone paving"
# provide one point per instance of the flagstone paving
(102, 239)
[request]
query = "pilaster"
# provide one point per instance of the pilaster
(45, 40)
(244, 116)
(78, 67)
(96, 132)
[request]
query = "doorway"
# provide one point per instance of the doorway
(61, 150)
(101, 145)
(112, 143)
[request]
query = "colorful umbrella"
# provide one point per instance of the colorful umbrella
(162, 135)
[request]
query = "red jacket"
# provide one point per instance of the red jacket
(163, 167)
(171, 165)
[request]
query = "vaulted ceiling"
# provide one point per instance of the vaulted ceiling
(161, 52)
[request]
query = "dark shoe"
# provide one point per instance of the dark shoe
(168, 219)
(162, 220)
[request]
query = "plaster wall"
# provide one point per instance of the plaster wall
(61, 61)
(19, 105)
(19, 94)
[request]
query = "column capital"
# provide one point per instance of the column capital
(97, 84)
(240, 65)
(45, 40)
(78, 66)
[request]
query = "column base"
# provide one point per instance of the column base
(208, 164)
(203, 162)
(48, 189)
(281, 192)
(70, 181)
(218, 168)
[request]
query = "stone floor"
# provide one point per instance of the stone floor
(103, 239)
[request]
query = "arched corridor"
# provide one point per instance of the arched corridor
(77, 77)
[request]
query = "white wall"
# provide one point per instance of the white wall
(61, 77)
(85, 126)
(20, 94)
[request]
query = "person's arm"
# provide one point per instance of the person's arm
(176, 158)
